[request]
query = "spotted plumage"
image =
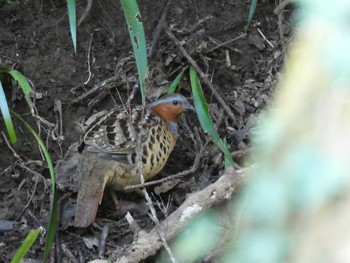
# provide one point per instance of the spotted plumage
(113, 143)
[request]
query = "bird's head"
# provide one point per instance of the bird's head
(170, 107)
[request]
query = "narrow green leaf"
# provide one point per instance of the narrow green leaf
(252, 9)
(176, 81)
(72, 22)
(202, 111)
(22, 81)
(3, 71)
(53, 224)
(6, 115)
(24, 84)
(138, 40)
(26, 245)
(53, 216)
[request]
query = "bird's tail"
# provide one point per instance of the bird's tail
(94, 176)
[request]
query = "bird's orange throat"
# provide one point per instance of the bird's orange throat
(168, 111)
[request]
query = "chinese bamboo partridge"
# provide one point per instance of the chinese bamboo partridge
(112, 145)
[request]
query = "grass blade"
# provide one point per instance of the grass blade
(6, 115)
(53, 216)
(252, 9)
(26, 245)
(202, 111)
(24, 84)
(72, 22)
(176, 81)
(138, 40)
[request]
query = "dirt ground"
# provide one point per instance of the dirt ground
(35, 39)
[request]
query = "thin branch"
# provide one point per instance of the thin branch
(86, 12)
(171, 177)
(226, 43)
(282, 6)
(159, 29)
(9, 146)
(201, 74)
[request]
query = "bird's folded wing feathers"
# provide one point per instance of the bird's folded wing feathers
(117, 132)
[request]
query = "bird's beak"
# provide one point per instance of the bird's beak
(188, 106)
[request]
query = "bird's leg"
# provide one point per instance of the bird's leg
(114, 198)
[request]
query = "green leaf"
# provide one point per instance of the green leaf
(6, 115)
(252, 9)
(3, 71)
(53, 216)
(24, 84)
(72, 22)
(138, 40)
(26, 245)
(176, 81)
(202, 111)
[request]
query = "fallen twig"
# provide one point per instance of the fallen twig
(282, 6)
(86, 12)
(95, 88)
(9, 146)
(159, 29)
(102, 241)
(226, 43)
(171, 177)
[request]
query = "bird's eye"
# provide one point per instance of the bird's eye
(175, 102)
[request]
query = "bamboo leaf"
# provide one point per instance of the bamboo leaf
(72, 22)
(176, 81)
(6, 115)
(202, 111)
(26, 245)
(252, 9)
(138, 40)
(24, 84)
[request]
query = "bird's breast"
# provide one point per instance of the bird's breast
(156, 150)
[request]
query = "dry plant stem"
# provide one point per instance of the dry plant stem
(98, 98)
(89, 54)
(31, 196)
(171, 177)
(86, 12)
(159, 29)
(102, 241)
(6, 170)
(148, 244)
(39, 175)
(95, 88)
(226, 43)
(194, 28)
(240, 153)
(282, 6)
(66, 251)
(160, 229)
(9, 146)
(102, 84)
(280, 30)
(264, 37)
(201, 74)
(135, 228)
(33, 217)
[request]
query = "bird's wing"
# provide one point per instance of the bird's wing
(118, 131)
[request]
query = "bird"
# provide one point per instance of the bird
(118, 141)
